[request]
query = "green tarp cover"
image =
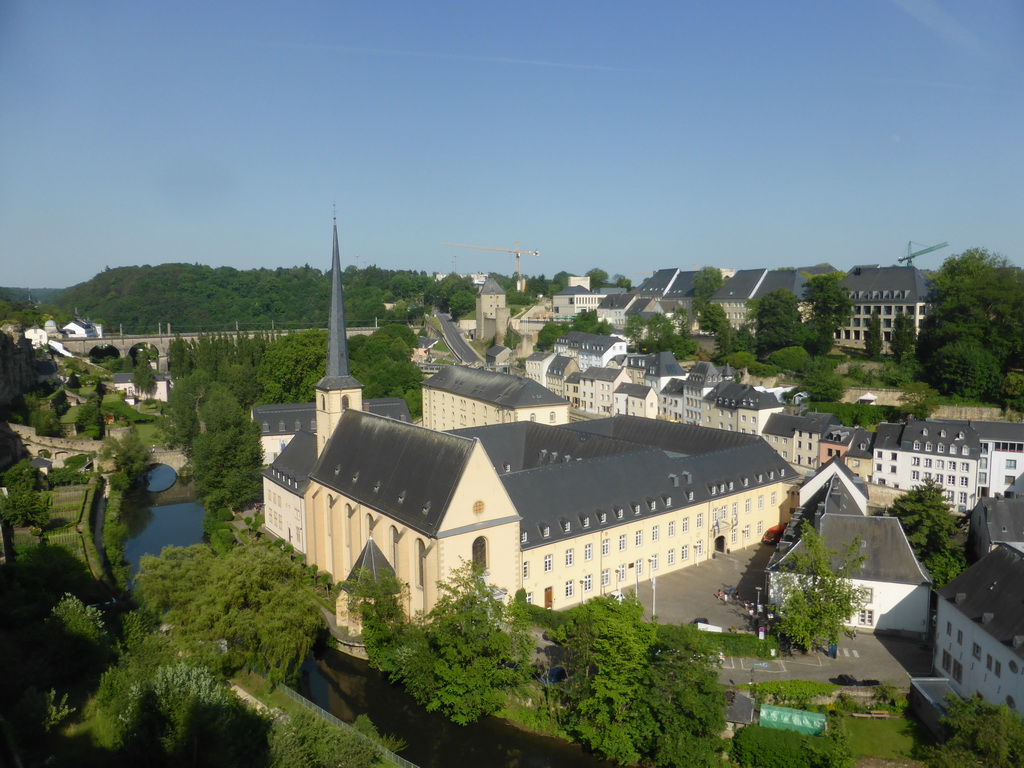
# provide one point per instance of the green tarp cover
(785, 719)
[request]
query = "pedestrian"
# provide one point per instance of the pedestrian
(719, 594)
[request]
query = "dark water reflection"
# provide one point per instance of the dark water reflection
(160, 478)
(171, 517)
(348, 687)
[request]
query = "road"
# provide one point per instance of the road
(453, 338)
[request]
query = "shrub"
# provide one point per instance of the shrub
(763, 370)
(542, 617)
(757, 747)
(794, 693)
(792, 359)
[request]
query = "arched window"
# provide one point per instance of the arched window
(394, 548)
(551, 417)
(533, 417)
(421, 563)
(323, 403)
(480, 551)
(369, 526)
(344, 402)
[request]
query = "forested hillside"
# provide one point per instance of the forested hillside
(194, 297)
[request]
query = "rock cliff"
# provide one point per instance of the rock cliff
(17, 367)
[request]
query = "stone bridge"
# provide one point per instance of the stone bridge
(174, 459)
(161, 341)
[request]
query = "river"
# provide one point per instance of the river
(165, 514)
(168, 514)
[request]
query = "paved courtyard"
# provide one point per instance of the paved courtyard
(692, 593)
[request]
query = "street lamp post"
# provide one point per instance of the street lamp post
(758, 600)
(654, 589)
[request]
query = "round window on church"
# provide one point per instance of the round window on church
(478, 508)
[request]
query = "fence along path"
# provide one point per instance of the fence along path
(387, 754)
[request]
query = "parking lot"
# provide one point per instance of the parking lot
(693, 593)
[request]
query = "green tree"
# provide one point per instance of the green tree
(873, 336)
(830, 307)
(979, 301)
(1013, 390)
(918, 399)
(904, 336)
(636, 331)
(184, 715)
(469, 652)
(777, 319)
(981, 734)
(598, 279)
(607, 644)
(143, 376)
(128, 453)
(245, 609)
(932, 530)
(966, 370)
(547, 335)
(792, 359)
(821, 380)
(818, 597)
(227, 453)
(305, 740)
(24, 504)
(712, 319)
(462, 303)
(291, 367)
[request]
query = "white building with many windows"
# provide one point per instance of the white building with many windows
(979, 629)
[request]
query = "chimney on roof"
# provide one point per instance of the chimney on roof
(1018, 641)
(960, 597)
(986, 618)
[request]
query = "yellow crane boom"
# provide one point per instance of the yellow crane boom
(516, 251)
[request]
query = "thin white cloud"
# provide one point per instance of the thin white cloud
(945, 26)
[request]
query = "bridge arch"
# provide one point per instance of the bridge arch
(103, 351)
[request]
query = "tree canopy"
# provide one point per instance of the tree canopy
(777, 319)
(933, 530)
(818, 597)
(830, 307)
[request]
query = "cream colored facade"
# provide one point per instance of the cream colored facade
(330, 405)
(619, 556)
(340, 528)
(446, 410)
(284, 510)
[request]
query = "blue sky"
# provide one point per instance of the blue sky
(623, 135)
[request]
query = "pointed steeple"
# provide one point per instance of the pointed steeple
(338, 375)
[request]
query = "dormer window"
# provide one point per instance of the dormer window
(927, 446)
(925, 431)
(965, 450)
(566, 526)
(426, 507)
(602, 517)
(523, 537)
(713, 490)
(721, 488)
(376, 486)
(618, 513)
(746, 481)
(508, 468)
(917, 445)
(760, 477)
(952, 449)
(401, 497)
(959, 435)
(266, 427)
(667, 500)
(942, 433)
(941, 447)
(586, 522)
(689, 495)
(636, 509)
(355, 476)
(730, 485)
(545, 531)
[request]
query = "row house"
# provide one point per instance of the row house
(682, 399)
(550, 370)
(636, 400)
(798, 438)
(750, 284)
(593, 390)
(739, 408)
(613, 307)
(1001, 465)
(946, 451)
(590, 349)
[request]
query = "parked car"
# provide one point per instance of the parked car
(774, 534)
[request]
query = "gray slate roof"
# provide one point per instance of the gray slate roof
(292, 467)
(574, 290)
(407, 472)
(865, 280)
(682, 439)
(491, 287)
(285, 419)
(599, 373)
(371, 559)
(664, 364)
(498, 388)
(557, 365)
(755, 283)
(887, 436)
(633, 390)
(338, 375)
(729, 394)
(616, 301)
(1001, 431)
(391, 407)
(591, 342)
(946, 432)
(1004, 518)
(989, 592)
(786, 425)
(889, 556)
(527, 445)
(649, 480)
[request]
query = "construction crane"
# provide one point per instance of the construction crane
(519, 275)
(909, 258)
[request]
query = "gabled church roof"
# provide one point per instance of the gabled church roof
(407, 472)
(491, 287)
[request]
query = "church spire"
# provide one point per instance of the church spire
(338, 374)
(337, 344)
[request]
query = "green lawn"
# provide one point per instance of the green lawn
(149, 434)
(889, 738)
